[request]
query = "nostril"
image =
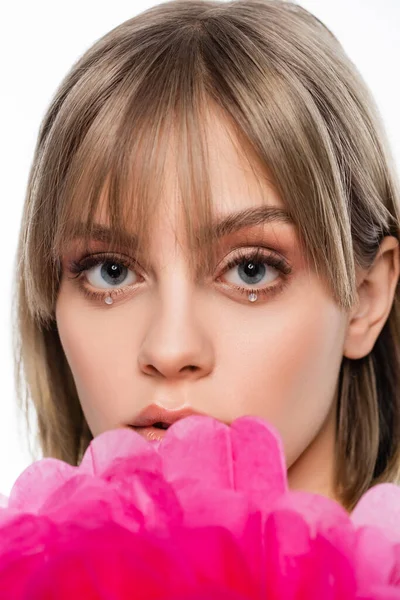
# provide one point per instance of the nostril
(160, 425)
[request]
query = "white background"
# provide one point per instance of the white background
(39, 42)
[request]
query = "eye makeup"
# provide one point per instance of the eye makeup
(252, 258)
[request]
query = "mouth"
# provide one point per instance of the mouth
(152, 433)
(153, 422)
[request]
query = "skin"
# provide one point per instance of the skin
(277, 358)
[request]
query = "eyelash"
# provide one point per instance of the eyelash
(257, 256)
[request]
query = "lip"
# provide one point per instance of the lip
(157, 414)
(152, 434)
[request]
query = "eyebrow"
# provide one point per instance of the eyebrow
(249, 217)
(221, 227)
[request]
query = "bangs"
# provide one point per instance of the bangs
(111, 134)
(118, 170)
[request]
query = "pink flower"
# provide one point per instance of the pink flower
(206, 513)
(173, 482)
(110, 562)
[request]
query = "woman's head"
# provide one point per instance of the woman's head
(199, 148)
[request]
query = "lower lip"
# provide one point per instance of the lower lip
(152, 434)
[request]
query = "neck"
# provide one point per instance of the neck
(313, 471)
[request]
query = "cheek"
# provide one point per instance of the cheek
(279, 361)
(283, 366)
(89, 341)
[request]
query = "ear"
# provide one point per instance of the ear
(376, 288)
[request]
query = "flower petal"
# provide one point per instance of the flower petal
(258, 460)
(300, 566)
(320, 513)
(37, 482)
(107, 449)
(198, 448)
(375, 558)
(247, 456)
(380, 506)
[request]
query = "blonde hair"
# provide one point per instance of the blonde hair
(296, 104)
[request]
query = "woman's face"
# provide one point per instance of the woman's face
(182, 342)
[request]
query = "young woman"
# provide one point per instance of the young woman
(211, 226)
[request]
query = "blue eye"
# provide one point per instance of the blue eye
(110, 272)
(254, 267)
(251, 272)
(114, 270)
(249, 267)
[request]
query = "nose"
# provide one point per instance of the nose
(176, 344)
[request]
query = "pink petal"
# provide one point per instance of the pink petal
(216, 558)
(154, 497)
(198, 448)
(381, 593)
(320, 513)
(23, 540)
(380, 506)
(258, 460)
(300, 566)
(287, 540)
(90, 502)
(375, 558)
(107, 449)
(111, 563)
(37, 481)
(246, 456)
(395, 574)
(204, 509)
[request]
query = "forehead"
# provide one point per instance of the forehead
(238, 180)
(241, 190)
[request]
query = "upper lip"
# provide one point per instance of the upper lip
(157, 414)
